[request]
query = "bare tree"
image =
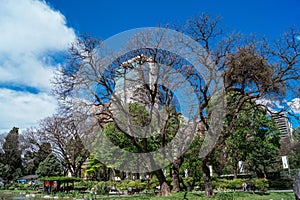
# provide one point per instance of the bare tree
(99, 84)
(64, 136)
(143, 75)
(254, 69)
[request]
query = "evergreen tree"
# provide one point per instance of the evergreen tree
(32, 159)
(254, 140)
(11, 161)
(50, 167)
(95, 170)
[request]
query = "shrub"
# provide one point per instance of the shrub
(101, 188)
(11, 187)
(123, 185)
(199, 185)
(131, 184)
(281, 184)
(81, 186)
(85, 184)
(235, 184)
(138, 184)
(262, 184)
(220, 184)
(189, 183)
(154, 182)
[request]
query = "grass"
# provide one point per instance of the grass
(219, 196)
(194, 196)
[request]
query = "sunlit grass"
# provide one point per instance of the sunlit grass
(194, 196)
(219, 196)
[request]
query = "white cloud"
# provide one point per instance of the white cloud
(273, 105)
(23, 109)
(295, 105)
(32, 26)
(31, 32)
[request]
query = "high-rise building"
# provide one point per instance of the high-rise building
(283, 123)
(129, 87)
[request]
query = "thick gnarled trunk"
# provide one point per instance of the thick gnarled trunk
(175, 174)
(164, 186)
(207, 178)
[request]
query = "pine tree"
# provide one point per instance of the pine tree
(50, 167)
(11, 161)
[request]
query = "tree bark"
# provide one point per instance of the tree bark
(265, 172)
(164, 186)
(235, 170)
(175, 174)
(207, 178)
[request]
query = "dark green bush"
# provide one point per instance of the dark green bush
(262, 184)
(189, 183)
(235, 184)
(101, 188)
(220, 184)
(281, 184)
(154, 182)
(82, 186)
(140, 185)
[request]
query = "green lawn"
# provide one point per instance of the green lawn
(220, 196)
(176, 196)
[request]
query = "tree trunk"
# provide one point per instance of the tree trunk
(265, 172)
(235, 170)
(207, 178)
(175, 174)
(164, 186)
(235, 165)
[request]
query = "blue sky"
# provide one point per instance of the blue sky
(106, 18)
(33, 33)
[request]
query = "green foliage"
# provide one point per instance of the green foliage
(254, 139)
(118, 138)
(10, 160)
(262, 184)
(235, 184)
(84, 185)
(94, 168)
(123, 185)
(174, 196)
(220, 184)
(294, 155)
(50, 167)
(32, 159)
(282, 184)
(43, 152)
(141, 185)
(19, 186)
(60, 178)
(113, 133)
(139, 115)
(154, 182)
(225, 196)
(80, 186)
(189, 182)
(192, 160)
(102, 188)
